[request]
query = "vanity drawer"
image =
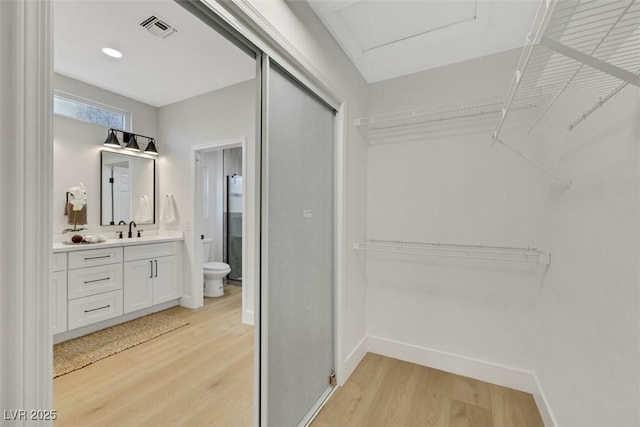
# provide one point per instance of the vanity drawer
(59, 261)
(94, 280)
(93, 257)
(152, 250)
(88, 310)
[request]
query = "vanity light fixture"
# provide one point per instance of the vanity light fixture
(130, 141)
(151, 147)
(112, 140)
(133, 143)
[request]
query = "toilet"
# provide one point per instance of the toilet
(214, 272)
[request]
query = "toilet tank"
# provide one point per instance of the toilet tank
(206, 249)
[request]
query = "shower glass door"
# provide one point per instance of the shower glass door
(234, 226)
(297, 279)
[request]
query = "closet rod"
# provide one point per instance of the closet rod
(537, 165)
(599, 104)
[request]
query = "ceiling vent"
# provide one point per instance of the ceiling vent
(158, 27)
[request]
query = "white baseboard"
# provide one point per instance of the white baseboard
(188, 302)
(484, 371)
(352, 361)
(248, 317)
(543, 405)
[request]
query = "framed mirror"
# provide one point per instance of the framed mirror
(127, 189)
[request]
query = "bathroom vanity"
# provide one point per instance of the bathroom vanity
(94, 286)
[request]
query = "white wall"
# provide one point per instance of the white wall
(302, 28)
(573, 337)
(587, 352)
(77, 146)
(451, 186)
(220, 115)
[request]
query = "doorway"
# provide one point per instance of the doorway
(189, 367)
(280, 254)
(209, 191)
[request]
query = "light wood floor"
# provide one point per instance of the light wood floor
(198, 375)
(201, 375)
(388, 392)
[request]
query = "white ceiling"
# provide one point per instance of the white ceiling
(156, 71)
(387, 38)
(383, 38)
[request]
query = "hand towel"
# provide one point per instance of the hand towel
(75, 217)
(168, 213)
(144, 213)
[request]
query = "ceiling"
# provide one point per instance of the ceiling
(383, 38)
(387, 39)
(158, 71)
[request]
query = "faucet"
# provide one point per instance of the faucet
(120, 232)
(130, 224)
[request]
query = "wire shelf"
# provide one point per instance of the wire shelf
(489, 253)
(434, 113)
(604, 39)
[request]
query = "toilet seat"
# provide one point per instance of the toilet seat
(215, 266)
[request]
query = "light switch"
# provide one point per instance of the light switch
(307, 213)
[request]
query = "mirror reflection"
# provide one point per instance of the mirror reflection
(128, 189)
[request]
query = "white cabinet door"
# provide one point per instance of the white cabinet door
(165, 279)
(138, 284)
(58, 302)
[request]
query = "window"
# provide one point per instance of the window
(90, 111)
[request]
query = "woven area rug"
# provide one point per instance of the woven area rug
(74, 354)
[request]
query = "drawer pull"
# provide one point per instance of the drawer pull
(96, 309)
(96, 257)
(151, 273)
(156, 261)
(96, 280)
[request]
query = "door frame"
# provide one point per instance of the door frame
(249, 240)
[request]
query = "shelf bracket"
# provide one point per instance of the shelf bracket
(591, 61)
(532, 162)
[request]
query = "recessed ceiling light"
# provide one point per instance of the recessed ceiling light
(112, 52)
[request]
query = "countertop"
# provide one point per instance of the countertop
(70, 247)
